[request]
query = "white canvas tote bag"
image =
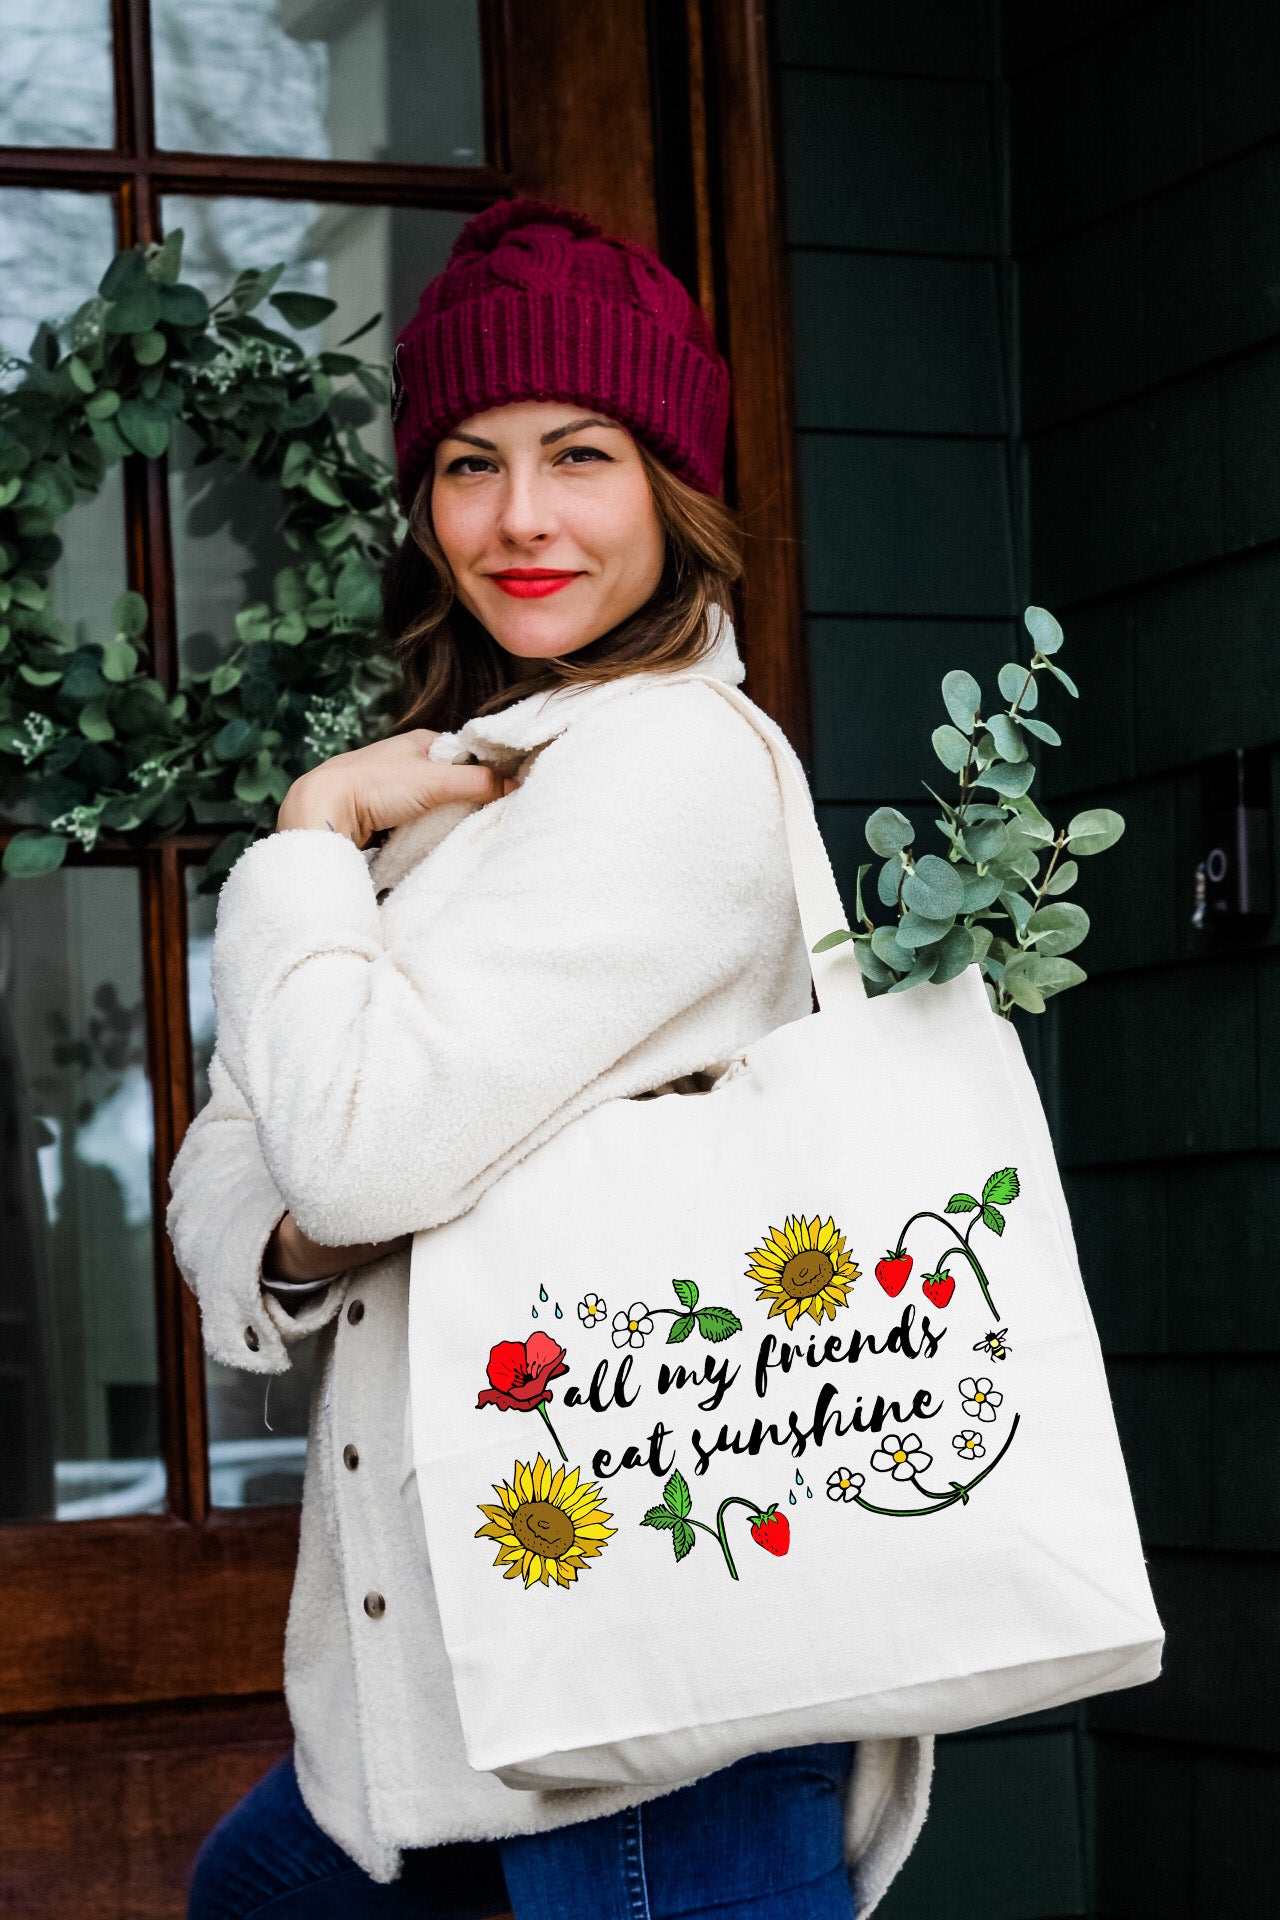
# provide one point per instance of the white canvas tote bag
(775, 1414)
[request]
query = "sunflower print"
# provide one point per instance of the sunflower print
(548, 1525)
(802, 1267)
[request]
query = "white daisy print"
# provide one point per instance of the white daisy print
(904, 1458)
(979, 1399)
(591, 1309)
(969, 1445)
(844, 1484)
(632, 1328)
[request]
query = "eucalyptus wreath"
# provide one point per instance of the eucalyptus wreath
(90, 737)
(997, 894)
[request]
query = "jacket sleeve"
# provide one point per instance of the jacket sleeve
(223, 1205)
(389, 1063)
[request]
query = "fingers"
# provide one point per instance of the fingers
(472, 783)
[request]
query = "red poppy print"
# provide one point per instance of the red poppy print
(519, 1375)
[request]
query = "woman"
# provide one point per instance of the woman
(584, 895)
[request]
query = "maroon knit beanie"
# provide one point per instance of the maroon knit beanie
(537, 303)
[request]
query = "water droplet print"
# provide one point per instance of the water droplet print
(542, 1293)
(791, 1497)
(559, 1314)
(799, 1478)
(808, 1493)
(534, 1311)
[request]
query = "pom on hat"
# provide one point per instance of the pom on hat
(538, 303)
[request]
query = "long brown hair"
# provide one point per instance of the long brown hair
(452, 667)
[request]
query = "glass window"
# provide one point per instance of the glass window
(79, 1426)
(55, 247)
(55, 73)
(257, 1431)
(225, 524)
(396, 80)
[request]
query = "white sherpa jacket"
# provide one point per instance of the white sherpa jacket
(396, 1027)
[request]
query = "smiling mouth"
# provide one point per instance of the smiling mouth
(532, 583)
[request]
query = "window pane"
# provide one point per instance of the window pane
(55, 73)
(324, 79)
(79, 1395)
(55, 247)
(226, 544)
(257, 1432)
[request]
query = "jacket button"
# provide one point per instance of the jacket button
(251, 1339)
(374, 1605)
(355, 1312)
(350, 1458)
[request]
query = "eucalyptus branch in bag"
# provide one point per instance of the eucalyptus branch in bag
(997, 896)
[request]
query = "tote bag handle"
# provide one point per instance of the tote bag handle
(837, 977)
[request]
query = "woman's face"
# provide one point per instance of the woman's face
(544, 513)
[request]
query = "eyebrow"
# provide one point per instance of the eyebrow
(548, 439)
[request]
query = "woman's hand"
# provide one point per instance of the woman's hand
(386, 784)
(290, 1255)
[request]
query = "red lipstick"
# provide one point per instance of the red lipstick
(532, 583)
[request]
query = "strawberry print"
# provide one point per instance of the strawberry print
(939, 1287)
(893, 1272)
(772, 1531)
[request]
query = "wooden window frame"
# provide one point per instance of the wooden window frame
(190, 1605)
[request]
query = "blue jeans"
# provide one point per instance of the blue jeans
(760, 1840)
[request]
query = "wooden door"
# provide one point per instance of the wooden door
(141, 1629)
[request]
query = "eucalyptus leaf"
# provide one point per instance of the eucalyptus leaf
(183, 306)
(129, 615)
(915, 931)
(144, 425)
(95, 722)
(888, 831)
(1021, 989)
(933, 889)
(321, 488)
(860, 912)
(1094, 831)
(951, 747)
(872, 968)
(32, 852)
(303, 310)
(962, 697)
(1063, 878)
(982, 891)
(987, 841)
(955, 953)
(1018, 683)
(118, 660)
(924, 968)
(1042, 730)
(830, 940)
(1011, 781)
(982, 942)
(1058, 928)
(888, 880)
(1009, 742)
(1059, 674)
(1045, 976)
(1043, 628)
(1018, 908)
(885, 946)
